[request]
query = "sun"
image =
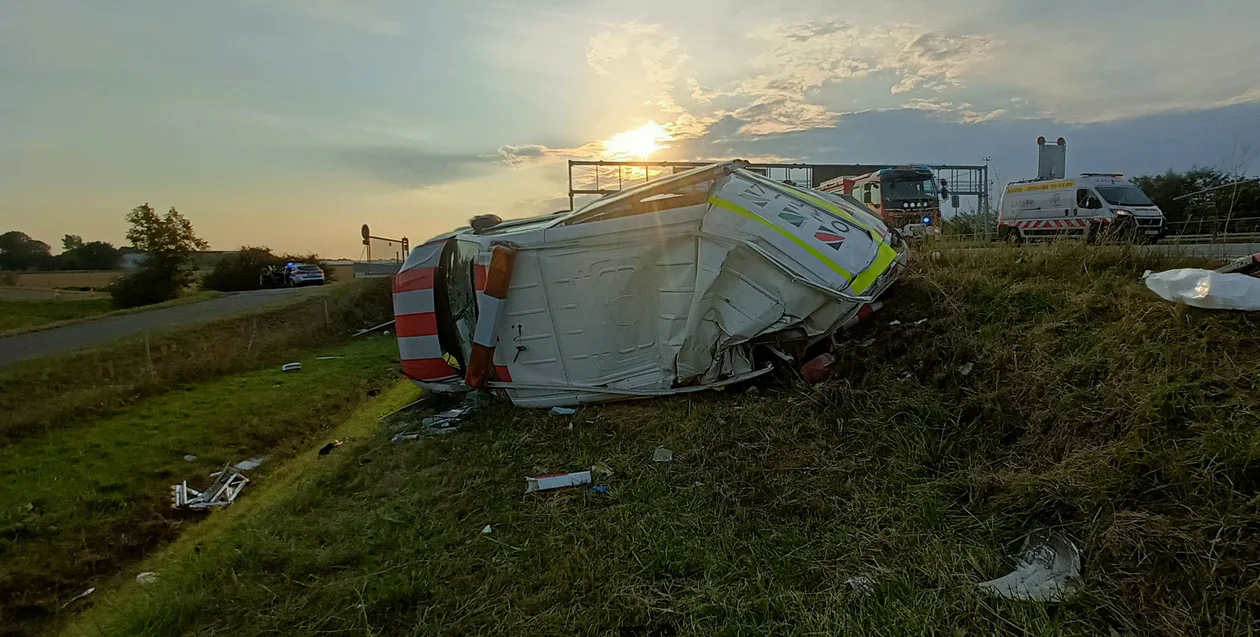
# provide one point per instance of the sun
(637, 143)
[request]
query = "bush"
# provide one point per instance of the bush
(240, 271)
(146, 286)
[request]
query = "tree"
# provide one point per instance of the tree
(96, 255)
(240, 271)
(71, 242)
(18, 251)
(169, 241)
(1231, 208)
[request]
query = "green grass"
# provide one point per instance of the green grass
(20, 317)
(66, 392)
(1094, 408)
(76, 506)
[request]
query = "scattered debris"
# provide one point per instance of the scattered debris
(867, 343)
(863, 584)
(252, 463)
(189, 457)
(818, 368)
(404, 436)
(894, 323)
(1246, 265)
(600, 488)
(329, 358)
(146, 578)
(965, 368)
(326, 449)
(662, 455)
(371, 329)
(570, 425)
(558, 481)
(920, 322)
(601, 470)
(487, 529)
(80, 596)
(385, 333)
(1049, 565)
(443, 423)
(373, 393)
(227, 485)
(291, 367)
(1206, 289)
(562, 411)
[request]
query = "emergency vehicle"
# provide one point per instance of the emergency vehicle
(1091, 206)
(701, 279)
(903, 197)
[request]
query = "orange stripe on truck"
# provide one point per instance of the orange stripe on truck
(416, 324)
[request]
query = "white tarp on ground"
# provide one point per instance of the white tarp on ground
(1206, 289)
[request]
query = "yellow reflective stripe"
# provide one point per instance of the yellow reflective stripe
(737, 209)
(883, 259)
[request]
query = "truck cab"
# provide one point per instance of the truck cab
(1088, 206)
(906, 198)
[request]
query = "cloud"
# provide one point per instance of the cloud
(647, 48)
(805, 56)
(514, 155)
(976, 117)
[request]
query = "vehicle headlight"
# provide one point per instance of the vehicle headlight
(1121, 212)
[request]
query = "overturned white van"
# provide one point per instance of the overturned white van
(700, 279)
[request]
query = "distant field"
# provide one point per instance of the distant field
(16, 315)
(53, 280)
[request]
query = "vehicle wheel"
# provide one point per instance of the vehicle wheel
(1011, 235)
(290, 283)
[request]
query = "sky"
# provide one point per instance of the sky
(289, 123)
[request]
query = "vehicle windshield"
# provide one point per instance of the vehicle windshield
(456, 304)
(1124, 196)
(910, 188)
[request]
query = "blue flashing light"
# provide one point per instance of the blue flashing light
(927, 221)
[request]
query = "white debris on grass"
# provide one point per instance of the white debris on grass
(562, 411)
(966, 368)
(146, 578)
(558, 481)
(246, 465)
(662, 455)
(1048, 569)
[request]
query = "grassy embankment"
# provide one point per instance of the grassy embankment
(91, 441)
(1094, 408)
(19, 317)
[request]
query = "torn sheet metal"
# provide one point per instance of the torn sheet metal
(1048, 570)
(227, 484)
(559, 481)
(679, 284)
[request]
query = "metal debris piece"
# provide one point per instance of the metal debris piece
(818, 368)
(1048, 569)
(662, 455)
(329, 358)
(146, 578)
(252, 463)
(1206, 289)
(558, 481)
(966, 368)
(562, 411)
(227, 485)
(371, 329)
(291, 367)
(920, 322)
(894, 323)
(189, 457)
(487, 529)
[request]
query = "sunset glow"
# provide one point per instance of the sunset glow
(637, 143)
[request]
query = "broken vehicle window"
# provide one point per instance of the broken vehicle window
(456, 299)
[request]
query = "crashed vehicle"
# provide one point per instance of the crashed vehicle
(701, 279)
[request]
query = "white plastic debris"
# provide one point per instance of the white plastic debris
(146, 578)
(1049, 566)
(894, 323)
(291, 367)
(920, 322)
(79, 596)
(965, 368)
(562, 411)
(558, 481)
(487, 529)
(1206, 289)
(329, 358)
(662, 455)
(189, 457)
(863, 584)
(227, 484)
(246, 465)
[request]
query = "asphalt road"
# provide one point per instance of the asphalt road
(92, 333)
(1224, 250)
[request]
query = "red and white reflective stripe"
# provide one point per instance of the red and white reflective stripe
(498, 276)
(1051, 223)
(415, 321)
